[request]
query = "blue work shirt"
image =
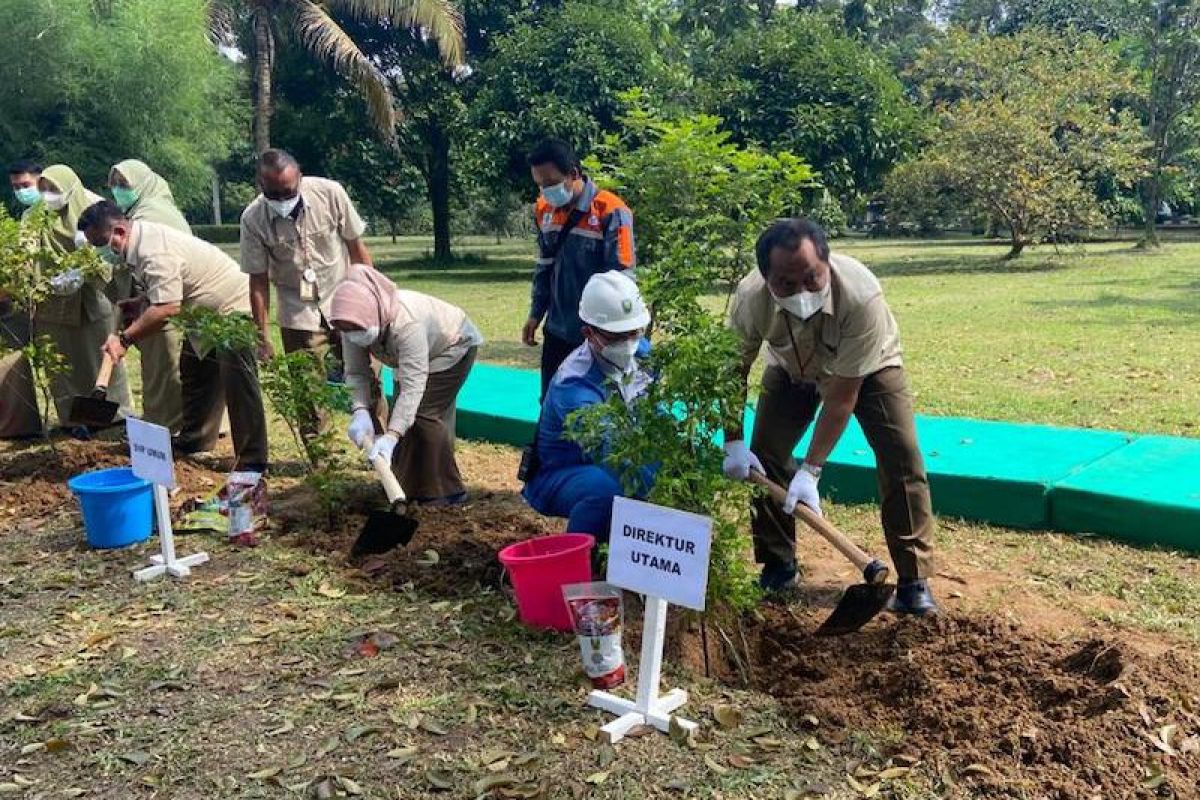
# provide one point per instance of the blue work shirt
(579, 382)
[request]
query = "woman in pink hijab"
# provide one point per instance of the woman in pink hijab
(430, 346)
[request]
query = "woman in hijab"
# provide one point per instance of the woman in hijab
(430, 346)
(78, 318)
(145, 197)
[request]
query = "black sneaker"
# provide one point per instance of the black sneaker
(778, 578)
(913, 597)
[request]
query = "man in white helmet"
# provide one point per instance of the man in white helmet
(566, 481)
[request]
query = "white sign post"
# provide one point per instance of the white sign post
(663, 554)
(150, 451)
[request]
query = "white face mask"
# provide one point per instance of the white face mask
(558, 195)
(284, 207)
(54, 200)
(81, 241)
(622, 355)
(362, 338)
(803, 304)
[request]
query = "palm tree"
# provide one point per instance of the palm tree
(311, 23)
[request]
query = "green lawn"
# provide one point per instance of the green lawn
(1104, 336)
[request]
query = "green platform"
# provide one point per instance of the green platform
(1142, 489)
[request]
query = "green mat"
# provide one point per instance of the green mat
(1137, 488)
(1147, 493)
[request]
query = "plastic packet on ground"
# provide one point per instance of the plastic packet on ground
(245, 499)
(597, 614)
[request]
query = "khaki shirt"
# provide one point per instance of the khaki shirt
(854, 335)
(314, 237)
(427, 336)
(179, 268)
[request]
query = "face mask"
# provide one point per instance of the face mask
(363, 338)
(558, 195)
(108, 254)
(28, 195)
(802, 304)
(125, 197)
(284, 208)
(54, 200)
(622, 355)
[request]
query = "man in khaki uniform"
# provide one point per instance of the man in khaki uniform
(180, 271)
(832, 344)
(300, 234)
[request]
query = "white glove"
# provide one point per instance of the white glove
(361, 426)
(739, 461)
(803, 489)
(66, 283)
(384, 446)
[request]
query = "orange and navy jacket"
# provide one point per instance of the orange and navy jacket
(600, 241)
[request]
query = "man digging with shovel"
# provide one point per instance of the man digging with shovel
(832, 344)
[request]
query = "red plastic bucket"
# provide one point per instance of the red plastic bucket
(539, 567)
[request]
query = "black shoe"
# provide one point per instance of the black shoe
(778, 578)
(913, 597)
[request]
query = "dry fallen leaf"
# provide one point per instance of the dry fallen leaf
(263, 774)
(136, 757)
(287, 727)
(325, 590)
(349, 787)
(712, 764)
(596, 778)
(429, 726)
(485, 785)
(359, 731)
(727, 717)
(440, 779)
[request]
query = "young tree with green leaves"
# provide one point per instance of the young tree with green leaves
(705, 200)
(1026, 132)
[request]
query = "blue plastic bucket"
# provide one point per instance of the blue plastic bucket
(117, 506)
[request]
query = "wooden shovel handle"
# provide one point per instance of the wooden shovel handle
(383, 469)
(815, 521)
(105, 373)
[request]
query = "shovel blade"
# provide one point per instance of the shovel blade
(860, 604)
(95, 412)
(383, 531)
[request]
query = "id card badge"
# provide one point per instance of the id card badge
(308, 286)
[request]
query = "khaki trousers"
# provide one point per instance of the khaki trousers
(19, 415)
(884, 411)
(424, 460)
(162, 391)
(217, 381)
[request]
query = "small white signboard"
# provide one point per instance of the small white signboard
(659, 551)
(150, 452)
(663, 554)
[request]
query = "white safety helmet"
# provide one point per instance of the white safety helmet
(611, 302)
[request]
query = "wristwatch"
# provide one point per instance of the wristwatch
(811, 469)
(126, 342)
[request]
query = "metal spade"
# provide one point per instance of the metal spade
(95, 410)
(387, 529)
(861, 602)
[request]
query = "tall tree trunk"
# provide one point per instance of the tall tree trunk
(264, 62)
(438, 182)
(1151, 197)
(1018, 244)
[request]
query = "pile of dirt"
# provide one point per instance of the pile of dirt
(986, 703)
(33, 481)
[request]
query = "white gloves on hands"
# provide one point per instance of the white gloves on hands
(66, 283)
(739, 461)
(803, 489)
(361, 426)
(384, 447)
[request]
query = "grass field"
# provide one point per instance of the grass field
(1104, 336)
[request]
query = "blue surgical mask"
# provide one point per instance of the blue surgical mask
(558, 195)
(28, 195)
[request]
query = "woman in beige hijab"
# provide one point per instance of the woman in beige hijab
(79, 319)
(145, 197)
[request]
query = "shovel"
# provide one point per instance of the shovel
(95, 410)
(385, 530)
(861, 602)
